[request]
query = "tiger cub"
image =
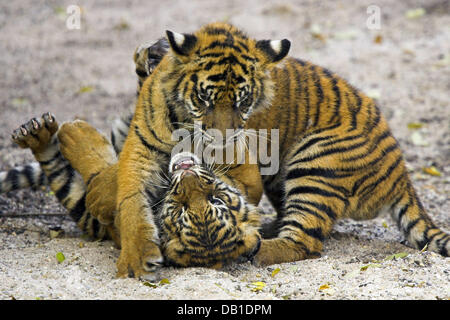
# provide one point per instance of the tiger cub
(338, 158)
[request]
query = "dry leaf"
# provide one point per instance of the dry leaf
(433, 171)
(274, 272)
(371, 265)
(378, 39)
(85, 89)
(258, 286)
(164, 281)
(415, 13)
(399, 255)
(324, 287)
(415, 125)
(149, 284)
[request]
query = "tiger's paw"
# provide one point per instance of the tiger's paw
(36, 134)
(142, 266)
(87, 150)
(274, 251)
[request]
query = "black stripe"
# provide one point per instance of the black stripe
(319, 206)
(386, 175)
(326, 173)
(319, 92)
(316, 191)
(56, 173)
(312, 232)
(76, 213)
(64, 191)
(28, 172)
(13, 178)
(148, 145)
(301, 210)
(329, 152)
(310, 143)
(56, 156)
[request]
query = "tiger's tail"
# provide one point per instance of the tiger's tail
(414, 222)
(29, 175)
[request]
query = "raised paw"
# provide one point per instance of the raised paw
(36, 134)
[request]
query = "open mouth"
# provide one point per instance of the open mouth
(183, 161)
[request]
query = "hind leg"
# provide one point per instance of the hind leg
(91, 154)
(68, 186)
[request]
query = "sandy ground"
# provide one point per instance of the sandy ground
(88, 73)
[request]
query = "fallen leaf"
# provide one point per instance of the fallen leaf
(164, 281)
(385, 225)
(18, 102)
(349, 34)
(258, 286)
(415, 125)
(371, 265)
(81, 245)
(415, 13)
(122, 25)
(274, 272)
(399, 255)
(60, 257)
(378, 39)
(85, 89)
(149, 284)
(324, 287)
(433, 171)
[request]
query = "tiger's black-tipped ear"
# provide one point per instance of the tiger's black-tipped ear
(274, 50)
(181, 44)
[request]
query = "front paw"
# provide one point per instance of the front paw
(142, 264)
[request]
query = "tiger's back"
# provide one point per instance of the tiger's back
(338, 157)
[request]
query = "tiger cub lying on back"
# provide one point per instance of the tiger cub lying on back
(338, 158)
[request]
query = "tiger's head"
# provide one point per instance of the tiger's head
(204, 221)
(221, 76)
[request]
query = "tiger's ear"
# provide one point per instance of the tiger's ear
(181, 44)
(273, 50)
